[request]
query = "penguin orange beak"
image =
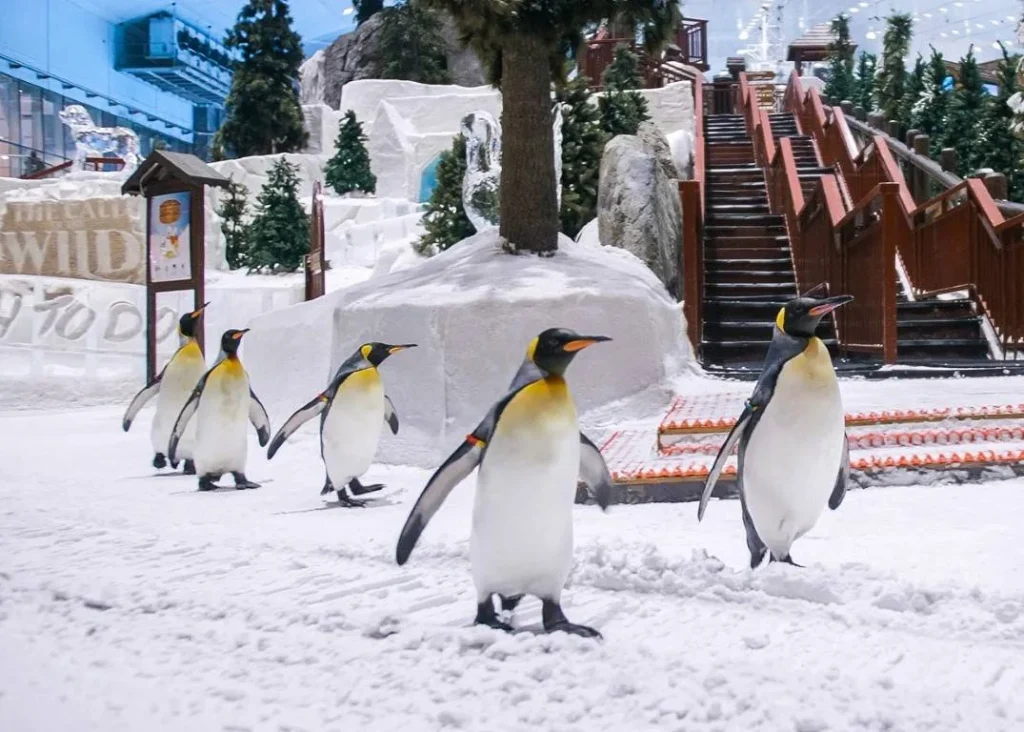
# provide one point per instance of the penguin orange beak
(196, 313)
(396, 349)
(829, 304)
(238, 336)
(583, 342)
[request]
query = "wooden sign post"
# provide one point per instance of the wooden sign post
(173, 186)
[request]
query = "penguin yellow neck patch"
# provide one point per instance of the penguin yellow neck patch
(780, 320)
(814, 362)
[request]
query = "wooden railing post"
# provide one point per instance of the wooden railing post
(892, 230)
(692, 261)
(948, 159)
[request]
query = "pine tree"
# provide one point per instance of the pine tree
(841, 86)
(445, 220)
(233, 211)
(411, 46)
(891, 80)
(915, 87)
(263, 114)
(582, 146)
(524, 44)
(279, 234)
(929, 111)
(349, 169)
(622, 107)
(999, 148)
(864, 83)
(967, 106)
(365, 9)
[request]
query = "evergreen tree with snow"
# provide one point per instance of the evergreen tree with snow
(864, 82)
(891, 79)
(999, 147)
(279, 234)
(915, 87)
(841, 85)
(968, 105)
(929, 111)
(262, 112)
(411, 46)
(445, 219)
(622, 107)
(366, 9)
(349, 169)
(233, 212)
(582, 146)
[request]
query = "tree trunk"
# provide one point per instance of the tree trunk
(529, 209)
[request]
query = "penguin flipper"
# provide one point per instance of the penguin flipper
(146, 393)
(183, 417)
(390, 416)
(302, 415)
(716, 470)
(843, 479)
(258, 417)
(594, 472)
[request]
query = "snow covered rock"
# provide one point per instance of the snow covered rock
(473, 309)
(680, 143)
(638, 205)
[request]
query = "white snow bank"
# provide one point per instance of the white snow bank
(472, 310)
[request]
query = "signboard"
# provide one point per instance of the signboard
(170, 257)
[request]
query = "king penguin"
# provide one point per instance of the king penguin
(793, 450)
(530, 451)
(223, 403)
(173, 385)
(352, 411)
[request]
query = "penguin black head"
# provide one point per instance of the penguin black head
(231, 340)
(800, 317)
(376, 352)
(554, 349)
(187, 323)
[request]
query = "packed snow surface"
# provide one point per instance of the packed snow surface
(131, 602)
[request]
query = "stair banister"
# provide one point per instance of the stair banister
(691, 196)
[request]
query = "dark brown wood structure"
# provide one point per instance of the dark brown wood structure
(688, 48)
(812, 46)
(315, 265)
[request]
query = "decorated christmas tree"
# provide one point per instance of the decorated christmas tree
(582, 146)
(622, 107)
(929, 111)
(891, 78)
(349, 169)
(915, 87)
(841, 85)
(279, 234)
(864, 83)
(445, 220)
(233, 211)
(968, 105)
(411, 46)
(999, 147)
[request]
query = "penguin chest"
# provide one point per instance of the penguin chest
(791, 460)
(222, 420)
(522, 519)
(351, 429)
(179, 379)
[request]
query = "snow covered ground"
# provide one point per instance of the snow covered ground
(131, 602)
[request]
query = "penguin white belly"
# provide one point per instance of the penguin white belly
(352, 427)
(521, 540)
(222, 422)
(179, 379)
(792, 458)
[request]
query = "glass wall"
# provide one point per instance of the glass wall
(32, 137)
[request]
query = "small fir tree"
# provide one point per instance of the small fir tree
(967, 107)
(999, 147)
(445, 219)
(929, 111)
(915, 87)
(279, 235)
(582, 146)
(891, 79)
(349, 169)
(365, 9)
(864, 82)
(841, 86)
(262, 112)
(622, 107)
(411, 46)
(233, 212)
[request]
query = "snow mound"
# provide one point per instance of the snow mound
(473, 310)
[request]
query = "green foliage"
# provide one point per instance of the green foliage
(262, 112)
(365, 9)
(864, 83)
(915, 87)
(349, 169)
(622, 107)
(967, 107)
(445, 220)
(233, 212)
(279, 234)
(582, 146)
(929, 111)
(411, 46)
(891, 79)
(841, 86)
(999, 147)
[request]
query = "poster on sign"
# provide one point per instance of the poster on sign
(170, 257)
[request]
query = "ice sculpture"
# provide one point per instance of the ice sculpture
(93, 142)
(483, 166)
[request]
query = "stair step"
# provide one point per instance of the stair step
(714, 253)
(754, 330)
(936, 308)
(739, 230)
(740, 290)
(751, 276)
(743, 264)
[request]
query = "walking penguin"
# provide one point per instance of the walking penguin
(223, 404)
(173, 386)
(352, 411)
(530, 451)
(793, 451)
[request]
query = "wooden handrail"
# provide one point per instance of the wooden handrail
(691, 198)
(45, 172)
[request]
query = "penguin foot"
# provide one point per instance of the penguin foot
(347, 502)
(555, 620)
(159, 461)
(358, 489)
(485, 615)
(189, 469)
(242, 483)
(788, 559)
(756, 558)
(328, 487)
(206, 483)
(508, 603)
